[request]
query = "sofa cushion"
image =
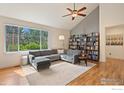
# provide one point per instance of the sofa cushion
(53, 57)
(73, 52)
(51, 54)
(76, 52)
(40, 59)
(54, 51)
(46, 52)
(68, 58)
(71, 56)
(35, 53)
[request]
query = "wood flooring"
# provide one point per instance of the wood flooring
(104, 73)
(12, 76)
(110, 72)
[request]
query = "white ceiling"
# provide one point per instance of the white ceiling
(49, 14)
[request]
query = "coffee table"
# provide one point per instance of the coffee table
(41, 63)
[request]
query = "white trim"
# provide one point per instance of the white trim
(18, 39)
(5, 51)
(9, 24)
(4, 39)
(21, 52)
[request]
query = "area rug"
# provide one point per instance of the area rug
(58, 74)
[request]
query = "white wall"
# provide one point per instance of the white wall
(115, 51)
(89, 24)
(110, 15)
(13, 59)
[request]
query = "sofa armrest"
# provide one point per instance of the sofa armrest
(76, 58)
(31, 58)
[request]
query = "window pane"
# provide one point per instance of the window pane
(44, 40)
(29, 39)
(11, 38)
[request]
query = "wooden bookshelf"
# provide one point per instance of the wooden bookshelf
(73, 42)
(93, 46)
(87, 43)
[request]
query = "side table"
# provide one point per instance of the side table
(84, 59)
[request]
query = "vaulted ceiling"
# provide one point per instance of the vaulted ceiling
(49, 14)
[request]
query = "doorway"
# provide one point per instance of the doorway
(115, 42)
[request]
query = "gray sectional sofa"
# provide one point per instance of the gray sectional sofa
(43, 59)
(50, 54)
(71, 56)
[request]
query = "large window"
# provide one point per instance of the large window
(25, 38)
(11, 38)
(44, 36)
(29, 39)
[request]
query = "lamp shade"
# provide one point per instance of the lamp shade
(61, 37)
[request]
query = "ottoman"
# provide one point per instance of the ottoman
(41, 63)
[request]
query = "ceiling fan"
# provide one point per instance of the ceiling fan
(75, 12)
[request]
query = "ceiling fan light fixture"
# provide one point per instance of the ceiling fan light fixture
(74, 15)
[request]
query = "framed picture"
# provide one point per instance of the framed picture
(114, 39)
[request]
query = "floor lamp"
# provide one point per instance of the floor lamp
(62, 38)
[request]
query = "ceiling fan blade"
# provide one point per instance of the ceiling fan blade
(67, 15)
(73, 18)
(81, 9)
(69, 10)
(82, 14)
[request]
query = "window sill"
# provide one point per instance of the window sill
(23, 53)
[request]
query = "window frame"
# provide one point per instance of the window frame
(18, 51)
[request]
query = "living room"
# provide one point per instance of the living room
(61, 50)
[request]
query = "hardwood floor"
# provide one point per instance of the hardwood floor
(107, 73)
(12, 76)
(104, 73)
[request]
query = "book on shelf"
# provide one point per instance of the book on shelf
(87, 43)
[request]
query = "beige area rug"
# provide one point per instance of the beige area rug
(60, 73)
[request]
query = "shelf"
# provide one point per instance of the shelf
(89, 43)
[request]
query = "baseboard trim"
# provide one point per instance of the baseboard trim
(9, 67)
(115, 59)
